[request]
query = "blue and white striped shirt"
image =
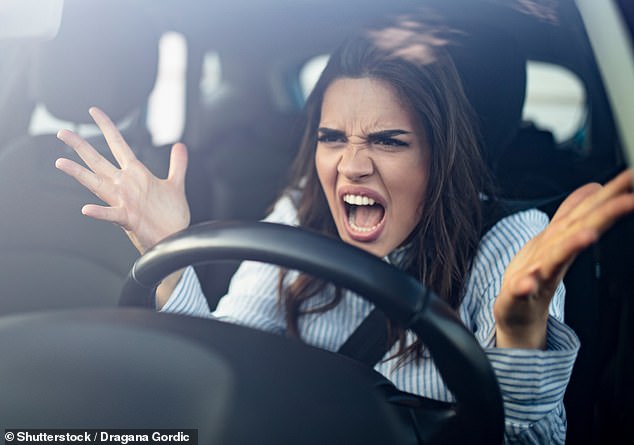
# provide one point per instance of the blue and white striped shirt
(532, 381)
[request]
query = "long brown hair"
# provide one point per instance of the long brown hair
(415, 61)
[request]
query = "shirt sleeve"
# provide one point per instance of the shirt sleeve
(187, 297)
(252, 296)
(532, 382)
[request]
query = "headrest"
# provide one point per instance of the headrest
(492, 66)
(106, 54)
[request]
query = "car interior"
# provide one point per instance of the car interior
(240, 104)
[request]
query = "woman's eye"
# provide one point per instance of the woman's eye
(331, 138)
(390, 142)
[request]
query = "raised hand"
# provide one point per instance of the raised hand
(146, 207)
(530, 280)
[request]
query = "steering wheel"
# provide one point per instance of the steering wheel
(478, 411)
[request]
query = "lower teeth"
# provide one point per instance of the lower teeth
(362, 229)
(357, 228)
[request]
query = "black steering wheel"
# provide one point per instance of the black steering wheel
(460, 359)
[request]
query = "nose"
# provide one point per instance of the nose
(355, 163)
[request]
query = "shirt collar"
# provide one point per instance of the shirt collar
(399, 257)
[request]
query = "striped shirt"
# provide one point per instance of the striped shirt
(532, 382)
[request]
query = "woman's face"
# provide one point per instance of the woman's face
(372, 160)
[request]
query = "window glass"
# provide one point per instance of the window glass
(211, 76)
(555, 99)
(166, 106)
(310, 72)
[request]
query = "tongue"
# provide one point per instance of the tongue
(367, 216)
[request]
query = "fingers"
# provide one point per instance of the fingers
(620, 185)
(603, 208)
(93, 183)
(561, 255)
(622, 181)
(118, 146)
(86, 152)
(82, 175)
(594, 208)
(598, 208)
(609, 212)
(112, 214)
(574, 199)
(178, 165)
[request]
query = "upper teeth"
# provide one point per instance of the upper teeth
(358, 200)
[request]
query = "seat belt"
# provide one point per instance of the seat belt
(369, 342)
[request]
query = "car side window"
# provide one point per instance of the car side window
(555, 100)
(310, 72)
(166, 105)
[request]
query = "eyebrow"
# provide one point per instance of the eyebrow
(376, 134)
(388, 133)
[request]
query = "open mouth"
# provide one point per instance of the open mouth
(365, 216)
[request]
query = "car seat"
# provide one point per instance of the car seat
(15, 105)
(51, 256)
(531, 172)
(241, 154)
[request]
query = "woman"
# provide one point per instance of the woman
(390, 163)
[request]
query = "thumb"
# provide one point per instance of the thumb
(178, 165)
